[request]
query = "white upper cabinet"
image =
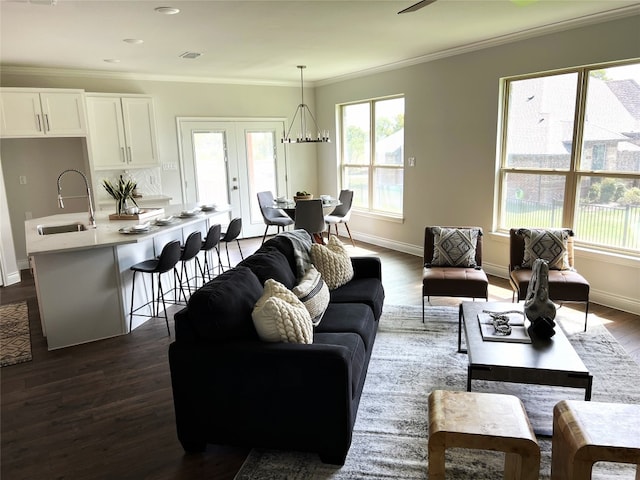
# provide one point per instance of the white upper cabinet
(29, 112)
(122, 131)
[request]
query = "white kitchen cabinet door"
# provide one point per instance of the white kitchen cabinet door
(30, 113)
(106, 132)
(122, 132)
(140, 131)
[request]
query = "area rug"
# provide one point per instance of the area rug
(15, 339)
(409, 360)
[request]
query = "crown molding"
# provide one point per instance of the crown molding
(586, 20)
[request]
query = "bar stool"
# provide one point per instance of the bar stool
(167, 260)
(211, 242)
(189, 252)
(233, 230)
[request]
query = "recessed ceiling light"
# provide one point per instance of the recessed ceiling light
(167, 10)
(133, 41)
(112, 60)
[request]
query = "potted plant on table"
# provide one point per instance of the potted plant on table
(122, 192)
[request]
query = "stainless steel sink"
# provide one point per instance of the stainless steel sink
(69, 227)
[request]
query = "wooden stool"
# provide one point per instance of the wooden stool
(483, 421)
(588, 432)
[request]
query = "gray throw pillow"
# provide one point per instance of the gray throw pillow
(454, 247)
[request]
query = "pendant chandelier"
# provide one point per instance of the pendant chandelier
(304, 134)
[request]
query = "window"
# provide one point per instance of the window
(571, 154)
(373, 154)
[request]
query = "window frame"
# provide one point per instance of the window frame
(371, 165)
(572, 175)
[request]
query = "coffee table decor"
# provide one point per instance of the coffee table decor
(537, 307)
(503, 326)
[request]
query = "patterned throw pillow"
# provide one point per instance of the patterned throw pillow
(454, 247)
(280, 317)
(314, 294)
(333, 262)
(548, 244)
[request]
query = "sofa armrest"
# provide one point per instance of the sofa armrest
(367, 267)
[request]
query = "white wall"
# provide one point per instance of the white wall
(451, 127)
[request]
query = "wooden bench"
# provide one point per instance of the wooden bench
(588, 432)
(483, 421)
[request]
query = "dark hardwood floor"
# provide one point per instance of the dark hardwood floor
(104, 410)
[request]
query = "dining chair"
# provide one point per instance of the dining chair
(209, 244)
(342, 213)
(310, 217)
(272, 215)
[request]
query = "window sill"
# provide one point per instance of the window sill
(388, 217)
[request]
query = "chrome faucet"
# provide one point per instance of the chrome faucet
(92, 218)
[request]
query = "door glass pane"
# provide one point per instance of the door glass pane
(389, 121)
(261, 168)
(357, 179)
(532, 200)
(210, 167)
(356, 133)
(540, 122)
(387, 189)
(608, 212)
(610, 140)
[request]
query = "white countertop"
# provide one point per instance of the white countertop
(105, 234)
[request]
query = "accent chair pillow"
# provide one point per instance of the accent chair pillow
(314, 294)
(279, 316)
(454, 247)
(549, 244)
(333, 262)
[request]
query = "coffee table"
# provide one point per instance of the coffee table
(542, 362)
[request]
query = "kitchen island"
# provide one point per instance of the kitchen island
(83, 278)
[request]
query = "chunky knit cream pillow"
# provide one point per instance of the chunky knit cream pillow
(279, 316)
(333, 262)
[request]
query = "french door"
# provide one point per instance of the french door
(229, 162)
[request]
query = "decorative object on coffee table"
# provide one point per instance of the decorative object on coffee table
(122, 192)
(537, 307)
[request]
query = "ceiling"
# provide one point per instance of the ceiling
(263, 41)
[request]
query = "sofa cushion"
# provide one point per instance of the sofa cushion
(333, 262)
(279, 316)
(357, 353)
(361, 290)
(270, 263)
(314, 294)
(350, 317)
(220, 310)
(549, 244)
(454, 247)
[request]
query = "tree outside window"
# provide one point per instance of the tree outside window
(571, 154)
(373, 164)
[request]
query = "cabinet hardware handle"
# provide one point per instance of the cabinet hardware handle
(38, 120)
(46, 122)
(124, 158)
(129, 149)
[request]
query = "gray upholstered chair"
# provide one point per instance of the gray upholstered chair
(310, 217)
(341, 214)
(272, 215)
(565, 284)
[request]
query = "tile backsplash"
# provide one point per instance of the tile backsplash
(148, 180)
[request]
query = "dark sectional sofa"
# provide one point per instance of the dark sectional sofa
(231, 388)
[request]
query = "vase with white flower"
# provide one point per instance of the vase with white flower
(122, 192)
